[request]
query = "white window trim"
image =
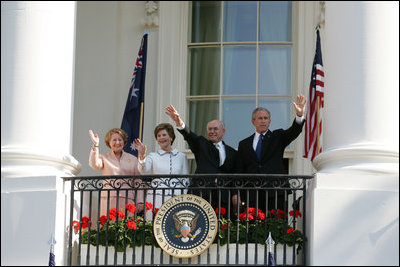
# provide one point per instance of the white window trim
(173, 64)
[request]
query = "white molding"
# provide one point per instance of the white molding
(359, 157)
(18, 162)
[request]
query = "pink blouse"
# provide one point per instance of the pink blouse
(108, 163)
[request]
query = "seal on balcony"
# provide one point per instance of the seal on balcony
(185, 226)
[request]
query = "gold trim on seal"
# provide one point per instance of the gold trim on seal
(185, 222)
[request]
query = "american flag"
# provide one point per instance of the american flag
(313, 131)
(132, 120)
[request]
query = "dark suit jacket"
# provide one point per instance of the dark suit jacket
(206, 154)
(274, 145)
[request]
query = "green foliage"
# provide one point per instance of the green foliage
(120, 236)
(250, 227)
(257, 231)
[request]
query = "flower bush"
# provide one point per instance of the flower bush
(256, 225)
(128, 230)
(119, 229)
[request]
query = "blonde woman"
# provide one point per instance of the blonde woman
(115, 162)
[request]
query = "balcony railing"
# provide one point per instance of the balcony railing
(263, 205)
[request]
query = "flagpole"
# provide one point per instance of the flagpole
(141, 122)
(146, 31)
(318, 130)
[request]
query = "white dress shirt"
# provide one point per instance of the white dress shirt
(221, 150)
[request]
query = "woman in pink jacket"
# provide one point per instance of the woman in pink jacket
(115, 162)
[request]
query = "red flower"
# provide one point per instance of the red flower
(85, 222)
(272, 212)
(242, 216)
(261, 215)
(155, 211)
(281, 213)
(112, 214)
(149, 206)
(131, 207)
(224, 227)
(290, 230)
(223, 211)
(252, 211)
(103, 219)
(298, 213)
(121, 214)
(131, 225)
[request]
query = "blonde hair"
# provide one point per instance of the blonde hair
(119, 131)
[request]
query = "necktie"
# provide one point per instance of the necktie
(259, 146)
(221, 157)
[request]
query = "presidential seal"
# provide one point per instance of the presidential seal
(185, 226)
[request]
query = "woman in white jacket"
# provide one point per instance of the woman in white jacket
(164, 161)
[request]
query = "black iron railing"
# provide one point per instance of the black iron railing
(249, 208)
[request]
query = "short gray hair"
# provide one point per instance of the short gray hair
(253, 115)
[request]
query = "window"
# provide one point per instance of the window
(240, 57)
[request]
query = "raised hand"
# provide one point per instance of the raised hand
(94, 137)
(300, 106)
(174, 115)
(141, 148)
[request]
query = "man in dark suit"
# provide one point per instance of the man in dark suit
(212, 155)
(262, 152)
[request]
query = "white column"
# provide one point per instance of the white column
(353, 202)
(361, 114)
(37, 57)
(37, 72)
(173, 32)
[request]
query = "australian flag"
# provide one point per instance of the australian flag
(132, 121)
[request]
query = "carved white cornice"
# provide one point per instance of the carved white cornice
(151, 17)
(361, 157)
(17, 162)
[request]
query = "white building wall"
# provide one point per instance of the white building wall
(108, 40)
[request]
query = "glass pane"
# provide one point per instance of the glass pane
(240, 21)
(239, 70)
(280, 112)
(204, 71)
(206, 16)
(275, 70)
(276, 21)
(237, 119)
(200, 113)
